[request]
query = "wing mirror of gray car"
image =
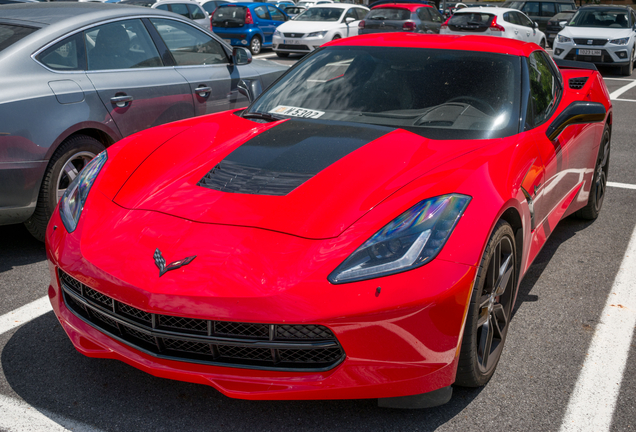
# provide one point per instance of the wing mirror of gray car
(349, 20)
(251, 89)
(241, 56)
(576, 113)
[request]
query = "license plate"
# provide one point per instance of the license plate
(588, 52)
(228, 41)
(291, 42)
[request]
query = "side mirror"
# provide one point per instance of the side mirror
(349, 20)
(563, 23)
(241, 56)
(251, 89)
(535, 25)
(576, 113)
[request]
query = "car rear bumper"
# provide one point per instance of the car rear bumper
(389, 351)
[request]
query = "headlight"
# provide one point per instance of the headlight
(563, 39)
(277, 33)
(72, 202)
(317, 34)
(409, 241)
(622, 41)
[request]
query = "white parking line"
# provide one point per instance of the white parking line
(619, 79)
(18, 416)
(593, 400)
(625, 100)
(616, 93)
(24, 314)
(621, 185)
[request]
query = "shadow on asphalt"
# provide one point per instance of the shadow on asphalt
(18, 247)
(565, 229)
(43, 368)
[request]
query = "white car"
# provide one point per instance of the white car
(494, 21)
(187, 8)
(316, 26)
(603, 35)
(310, 3)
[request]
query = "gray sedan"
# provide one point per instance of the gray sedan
(77, 77)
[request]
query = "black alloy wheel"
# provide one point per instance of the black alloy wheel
(599, 183)
(490, 309)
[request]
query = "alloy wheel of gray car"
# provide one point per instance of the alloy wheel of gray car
(255, 45)
(490, 309)
(67, 161)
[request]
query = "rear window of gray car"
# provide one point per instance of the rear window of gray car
(389, 14)
(10, 34)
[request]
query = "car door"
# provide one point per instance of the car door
(512, 22)
(132, 81)
(265, 23)
(201, 60)
(276, 15)
(436, 19)
(527, 31)
(350, 29)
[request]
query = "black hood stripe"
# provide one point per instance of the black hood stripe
(285, 156)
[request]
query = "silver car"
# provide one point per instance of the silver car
(77, 77)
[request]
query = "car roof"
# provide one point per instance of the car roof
(160, 2)
(450, 42)
(606, 7)
(338, 5)
(410, 6)
(492, 10)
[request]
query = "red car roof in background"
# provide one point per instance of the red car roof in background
(451, 42)
(410, 6)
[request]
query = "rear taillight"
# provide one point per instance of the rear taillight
(212, 19)
(496, 27)
(409, 26)
(445, 24)
(361, 24)
(248, 17)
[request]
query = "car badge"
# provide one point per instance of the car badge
(590, 42)
(161, 263)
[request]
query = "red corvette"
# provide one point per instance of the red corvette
(360, 231)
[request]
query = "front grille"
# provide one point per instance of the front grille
(293, 347)
(603, 58)
(294, 35)
(577, 83)
(595, 42)
(293, 47)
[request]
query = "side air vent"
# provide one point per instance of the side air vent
(577, 83)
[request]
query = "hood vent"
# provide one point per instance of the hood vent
(577, 83)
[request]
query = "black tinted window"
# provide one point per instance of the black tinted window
(523, 20)
(531, 8)
(389, 14)
(120, 45)
(10, 34)
(511, 17)
(232, 15)
(548, 9)
(196, 12)
(565, 6)
(544, 88)
(68, 54)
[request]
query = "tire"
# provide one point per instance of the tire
(69, 158)
(336, 37)
(599, 182)
(282, 55)
(627, 70)
(489, 314)
(542, 43)
(256, 45)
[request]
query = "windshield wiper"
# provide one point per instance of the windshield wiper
(260, 115)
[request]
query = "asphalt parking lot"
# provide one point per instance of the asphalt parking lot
(557, 347)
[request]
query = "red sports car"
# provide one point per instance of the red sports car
(360, 231)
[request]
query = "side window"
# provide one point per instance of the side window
(162, 7)
(275, 14)
(565, 7)
(435, 15)
(120, 45)
(531, 8)
(510, 17)
(422, 14)
(523, 20)
(351, 13)
(181, 9)
(66, 55)
(196, 12)
(188, 45)
(210, 7)
(544, 89)
(261, 12)
(361, 13)
(548, 9)
(633, 15)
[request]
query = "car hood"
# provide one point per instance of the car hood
(308, 178)
(595, 32)
(307, 26)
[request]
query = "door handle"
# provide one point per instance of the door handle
(121, 101)
(203, 91)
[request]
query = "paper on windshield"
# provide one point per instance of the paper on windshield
(296, 112)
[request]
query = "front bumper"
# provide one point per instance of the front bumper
(403, 341)
(610, 55)
(297, 45)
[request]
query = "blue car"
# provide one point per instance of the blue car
(248, 24)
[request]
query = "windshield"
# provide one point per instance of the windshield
(426, 91)
(600, 18)
(320, 14)
(10, 34)
(389, 14)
